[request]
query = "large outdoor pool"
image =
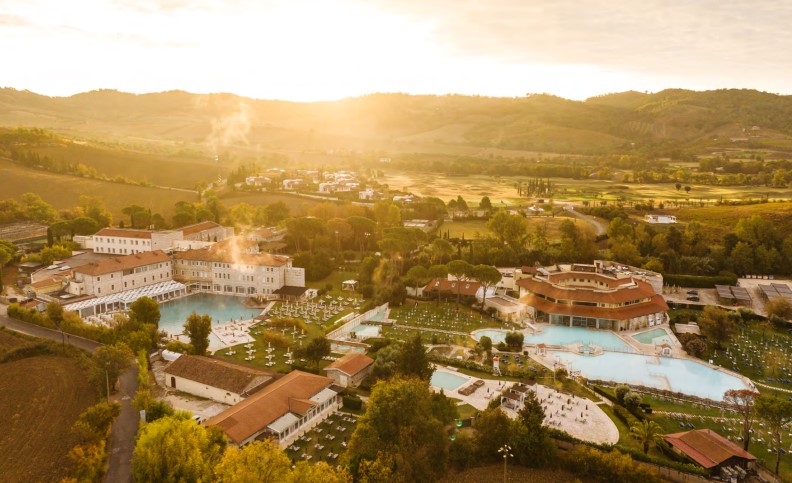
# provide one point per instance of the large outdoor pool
(561, 335)
(654, 337)
(678, 375)
(222, 308)
(366, 330)
(447, 380)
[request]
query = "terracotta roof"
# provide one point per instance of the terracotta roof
(613, 295)
(657, 304)
(224, 375)
(124, 233)
(451, 286)
(127, 262)
(255, 413)
(199, 227)
(48, 282)
(351, 364)
(706, 447)
(233, 250)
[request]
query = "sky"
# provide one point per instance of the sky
(307, 50)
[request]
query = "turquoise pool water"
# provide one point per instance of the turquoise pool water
(346, 349)
(367, 330)
(654, 337)
(679, 375)
(560, 335)
(222, 308)
(446, 380)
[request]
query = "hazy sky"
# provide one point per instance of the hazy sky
(327, 49)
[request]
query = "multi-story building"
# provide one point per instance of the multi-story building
(603, 296)
(235, 267)
(115, 275)
(126, 241)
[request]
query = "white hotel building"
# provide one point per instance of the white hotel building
(235, 267)
(125, 241)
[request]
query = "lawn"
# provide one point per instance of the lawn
(324, 440)
(11, 340)
(41, 398)
(315, 326)
(298, 205)
(514, 474)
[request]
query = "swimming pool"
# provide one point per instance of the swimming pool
(678, 375)
(654, 337)
(366, 330)
(561, 335)
(222, 308)
(447, 380)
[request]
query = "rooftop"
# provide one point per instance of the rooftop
(234, 250)
(124, 233)
(351, 364)
(444, 285)
(199, 227)
(706, 447)
(225, 375)
(126, 262)
(291, 393)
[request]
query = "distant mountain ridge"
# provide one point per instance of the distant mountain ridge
(605, 124)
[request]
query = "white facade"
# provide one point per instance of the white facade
(661, 219)
(123, 241)
(102, 279)
(201, 390)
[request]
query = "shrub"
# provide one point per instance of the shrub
(352, 402)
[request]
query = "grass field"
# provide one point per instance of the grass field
(503, 192)
(726, 217)
(41, 398)
(298, 205)
(514, 474)
(63, 191)
(10, 340)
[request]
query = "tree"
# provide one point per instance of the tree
(416, 276)
(132, 211)
(412, 361)
(632, 400)
(175, 449)
(316, 349)
(621, 390)
(441, 250)
(511, 230)
(488, 276)
(198, 328)
(145, 311)
(743, 402)
(7, 252)
(678, 186)
(493, 430)
(529, 438)
(777, 413)
(385, 364)
(485, 203)
(717, 325)
(779, 307)
(259, 461)
(486, 343)
(111, 361)
(514, 340)
(55, 315)
(461, 270)
(647, 432)
(687, 189)
(398, 422)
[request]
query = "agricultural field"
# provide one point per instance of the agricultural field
(18, 180)
(42, 398)
(724, 218)
(11, 340)
(298, 205)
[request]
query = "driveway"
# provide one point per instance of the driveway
(599, 227)
(126, 426)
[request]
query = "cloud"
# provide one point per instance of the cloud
(14, 21)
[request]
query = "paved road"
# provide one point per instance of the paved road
(125, 429)
(599, 227)
(126, 426)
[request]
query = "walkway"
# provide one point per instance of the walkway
(771, 387)
(125, 426)
(430, 329)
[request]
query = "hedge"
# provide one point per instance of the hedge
(352, 402)
(698, 281)
(683, 467)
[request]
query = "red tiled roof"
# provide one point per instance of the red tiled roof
(127, 262)
(289, 393)
(225, 375)
(706, 447)
(657, 304)
(233, 250)
(351, 364)
(451, 286)
(198, 227)
(613, 295)
(124, 233)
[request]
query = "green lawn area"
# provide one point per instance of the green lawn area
(759, 351)
(443, 316)
(327, 434)
(335, 280)
(470, 229)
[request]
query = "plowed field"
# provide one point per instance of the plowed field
(40, 399)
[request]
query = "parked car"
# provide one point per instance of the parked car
(693, 298)
(692, 292)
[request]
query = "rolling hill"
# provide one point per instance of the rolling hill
(398, 122)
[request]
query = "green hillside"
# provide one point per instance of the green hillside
(609, 124)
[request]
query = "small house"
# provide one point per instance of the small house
(350, 370)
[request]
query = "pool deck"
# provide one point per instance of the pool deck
(598, 427)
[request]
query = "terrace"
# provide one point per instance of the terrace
(326, 441)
